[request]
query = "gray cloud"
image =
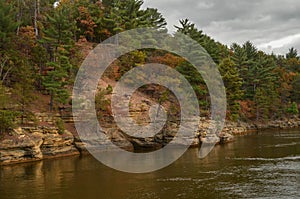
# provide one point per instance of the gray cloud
(228, 21)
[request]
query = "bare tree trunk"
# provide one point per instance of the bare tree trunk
(38, 7)
(51, 102)
(6, 74)
(2, 64)
(36, 10)
(23, 106)
(19, 16)
(257, 113)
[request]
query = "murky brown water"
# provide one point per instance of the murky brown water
(265, 165)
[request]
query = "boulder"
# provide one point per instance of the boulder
(30, 144)
(20, 148)
(58, 145)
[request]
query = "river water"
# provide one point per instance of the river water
(263, 165)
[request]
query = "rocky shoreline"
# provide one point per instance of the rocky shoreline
(31, 144)
(28, 144)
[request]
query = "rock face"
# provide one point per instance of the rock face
(21, 149)
(280, 124)
(29, 144)
(163, 138)
(55, 144)
(93, 142)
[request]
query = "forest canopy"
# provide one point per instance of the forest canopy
(42, 47)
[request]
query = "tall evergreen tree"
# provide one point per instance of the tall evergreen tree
(8, 24)
(59, 37)
(233, 84)
(56, 85)
(7, 116)
(265, 85)
(59, 29)
(122, 15)
(213, 48)
(292, 54)
(196, 81)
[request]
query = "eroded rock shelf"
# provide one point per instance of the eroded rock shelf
(36, 143)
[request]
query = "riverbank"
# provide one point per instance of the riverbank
(28, 144)
(261, 165)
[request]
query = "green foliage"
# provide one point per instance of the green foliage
(109, 89)
(101, 102)
(245, 58)
(128, 14)
(7, 116)
(39, 51)
(56, 86)
(59, 28)
(292, 54)
(59, 36)
(60, 125)
(293, 109)
(8, 24)
(233, 83)
(265, 87)
(4, 98)
(255, 68)
(292, 64)
(214, 49)
(154, 18)
(196, 81)
(7, 120)
(266, 102)
(24, 96)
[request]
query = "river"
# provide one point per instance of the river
(260, 165)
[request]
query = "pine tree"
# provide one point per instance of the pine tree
(233, 83)
(245, 58)
(154, 18)
(266, 87)
(23, 73)
(8, 25)
(128, 14)
(59, 29)
(7, 116)
(285, 87)
(196, 81)
(292, 54)
(292, 64)
(23, 91)
(55, 84)
(213, 48)
(59, 36)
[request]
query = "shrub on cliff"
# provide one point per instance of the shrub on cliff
(7, 120)
(60, 126)
(293, 109)
(7, 116)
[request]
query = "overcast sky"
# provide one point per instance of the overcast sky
(272, 25)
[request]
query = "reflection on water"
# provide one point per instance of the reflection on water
(264, 165)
